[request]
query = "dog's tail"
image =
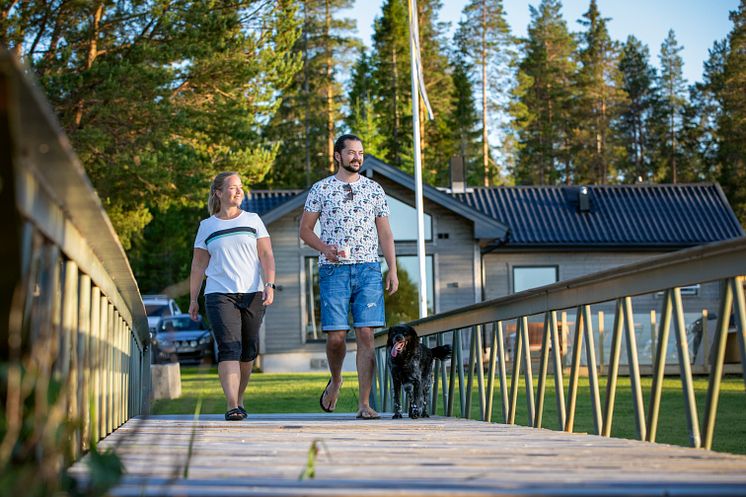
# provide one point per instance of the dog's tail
(442, 352)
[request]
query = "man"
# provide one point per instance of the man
(353, 214)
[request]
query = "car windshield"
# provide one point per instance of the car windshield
(181, 324)
(157, 310)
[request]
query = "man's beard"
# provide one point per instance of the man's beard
(352, 167)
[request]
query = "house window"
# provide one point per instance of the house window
(403, 306)
(400, 307)
(403, 221)
(526, 277)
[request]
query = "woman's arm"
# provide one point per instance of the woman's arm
(200, 259)
(267, 260)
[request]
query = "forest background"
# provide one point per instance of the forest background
(157, 96)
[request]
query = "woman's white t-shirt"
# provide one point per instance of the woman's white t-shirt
(234, 265)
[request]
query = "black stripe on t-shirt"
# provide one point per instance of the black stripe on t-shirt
(231, 231)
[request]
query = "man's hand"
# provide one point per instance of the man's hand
(392, 282)
(330, 252)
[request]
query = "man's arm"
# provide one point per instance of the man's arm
(307, 222)
(386, 239)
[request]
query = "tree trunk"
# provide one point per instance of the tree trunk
(91, 58)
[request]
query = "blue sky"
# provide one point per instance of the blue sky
(697, 23)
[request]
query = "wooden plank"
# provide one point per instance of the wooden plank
(266, 454)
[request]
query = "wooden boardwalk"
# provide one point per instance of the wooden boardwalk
(266, 454)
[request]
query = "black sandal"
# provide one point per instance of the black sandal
(234, 414)
(243, 411)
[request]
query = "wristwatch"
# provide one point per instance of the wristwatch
(271, 285)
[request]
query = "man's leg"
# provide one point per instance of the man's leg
(336, 349)
(366, 366)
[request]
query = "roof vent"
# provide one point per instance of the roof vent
(584, 199)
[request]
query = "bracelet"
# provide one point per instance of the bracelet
(270, 285)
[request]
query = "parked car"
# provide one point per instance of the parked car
(184, 339)
(157, 307)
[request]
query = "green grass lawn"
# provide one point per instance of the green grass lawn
(299, 392)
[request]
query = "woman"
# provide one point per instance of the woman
(233, 250)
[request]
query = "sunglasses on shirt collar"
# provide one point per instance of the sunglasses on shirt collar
(348, 189)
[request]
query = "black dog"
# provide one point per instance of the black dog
(411, 365)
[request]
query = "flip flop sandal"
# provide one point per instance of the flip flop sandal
(234, 414)
(243, 411)
(323, 394)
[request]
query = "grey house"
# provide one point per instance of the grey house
(484, 243)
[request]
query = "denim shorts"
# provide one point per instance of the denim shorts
(357, 287)
(236, 319)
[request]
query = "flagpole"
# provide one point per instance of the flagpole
(421, 256)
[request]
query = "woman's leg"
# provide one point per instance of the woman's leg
(225, 317)
(230, 379)
(252, 313)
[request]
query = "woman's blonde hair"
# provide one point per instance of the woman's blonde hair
(213, 202)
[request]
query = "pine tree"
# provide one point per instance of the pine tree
(598, 102)
(436, 137)
(464, 121)
(731, 122)
(391, 82)
(672, 88)
(542, 98)
(485, 41)
(634, 124)
(308, 120)
(156, 101)
(362, 119)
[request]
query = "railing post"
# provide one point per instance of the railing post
(634, 370)
(613, 373)
(716, 373)
(686, 370)
(659, 366)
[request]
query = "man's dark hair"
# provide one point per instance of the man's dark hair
(340, 143)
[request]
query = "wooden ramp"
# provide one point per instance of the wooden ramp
(266, 455)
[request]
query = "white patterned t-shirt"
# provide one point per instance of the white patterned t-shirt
(348, 213)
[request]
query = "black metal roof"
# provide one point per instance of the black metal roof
(643, 215)
(262, 201)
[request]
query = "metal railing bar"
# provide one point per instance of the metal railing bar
(659, 367)
(530, 408)
(685, 267)
(590, 354)
(455, 364)
(515, 377)
(572, 392)
(443, 378)
(716, 373)
(634, 370)
(740, 318)
(613, 373)
(480, 372)
(543, 367)
(559, 386)
(491, 374)
(685, 369)
(433, 397)
(501, 371)
(470, 378)
(460, 371)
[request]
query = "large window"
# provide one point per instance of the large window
(403, 221)
(400, 307)
(526, 277)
